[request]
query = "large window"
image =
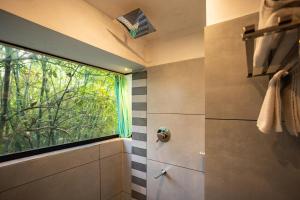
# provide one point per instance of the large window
(46, 101)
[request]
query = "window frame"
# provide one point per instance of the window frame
(33, 152)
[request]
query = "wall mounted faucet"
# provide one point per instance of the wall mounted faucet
(162, 173)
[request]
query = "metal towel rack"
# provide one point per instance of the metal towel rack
(250, 34)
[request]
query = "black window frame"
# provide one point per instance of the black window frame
(33, 152)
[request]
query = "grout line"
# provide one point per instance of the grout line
(115, 195)
(126, 192)
(111, 155)
(177, 166)
(232, 119)
(44, 177)
(99, 172)
(155, 113)
(47, 176)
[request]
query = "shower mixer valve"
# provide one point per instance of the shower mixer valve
(163, 134)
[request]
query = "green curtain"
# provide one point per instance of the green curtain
(123, 106)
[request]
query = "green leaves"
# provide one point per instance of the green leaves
(41, 86)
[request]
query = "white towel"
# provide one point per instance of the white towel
(270, 114)
(291, 102)
(268, 7)
(266, 44)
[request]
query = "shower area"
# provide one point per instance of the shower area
(158, 100)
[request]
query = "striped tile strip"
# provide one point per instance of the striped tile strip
(139, 136)
(139, 75)
(139, 129)
(139, 98)
(139, 174)
(139, 121)
(138, 166)
(139, 151)
(139, 91)
(139, 83)
(139, 144)
(139, 181)
(138, 188)
(138, 195)
(140, 114)
(139, 106)
(139, 159)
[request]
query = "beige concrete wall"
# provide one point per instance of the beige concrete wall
(179, 46)
(175, 100)
(241, 162)
(78, 19)
(222, 10)
(92, 172)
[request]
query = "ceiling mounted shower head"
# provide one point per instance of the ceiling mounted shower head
(136, 23)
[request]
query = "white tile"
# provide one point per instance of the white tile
(139, 129)
(139, 98)
(139, 174)
(139, 144)
(139, 114)
(127, 145)
(139, 83)
(139, 159)
(138, 188)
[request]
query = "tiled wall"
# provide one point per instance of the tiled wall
(242, 163)
(91, 172)
(139, 136)
(175, 100)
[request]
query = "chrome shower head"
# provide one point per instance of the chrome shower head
(136, 23)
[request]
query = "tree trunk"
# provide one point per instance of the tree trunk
(5, 94)
(40, 114)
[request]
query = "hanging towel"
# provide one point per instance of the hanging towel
(270, 114)
(280, 43)
(291, 102)
(268, 7)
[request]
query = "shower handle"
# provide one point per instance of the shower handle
(163, 134)
(162, 173)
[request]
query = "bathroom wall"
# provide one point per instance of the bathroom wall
(241, 162)
(181, 45)
(91, 172)
(222, 10)
(79, 20)
(175, 100)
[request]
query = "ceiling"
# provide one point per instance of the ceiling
(166, 16)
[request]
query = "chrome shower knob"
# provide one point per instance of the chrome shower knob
(163, 134)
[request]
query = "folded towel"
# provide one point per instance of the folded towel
(280, 43)
(270, 114)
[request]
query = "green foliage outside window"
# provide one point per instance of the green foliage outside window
(47, 101)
